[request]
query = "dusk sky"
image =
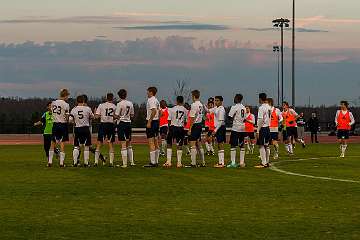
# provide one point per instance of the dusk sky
(328, 32)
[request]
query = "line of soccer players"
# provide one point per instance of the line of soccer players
(182, 124)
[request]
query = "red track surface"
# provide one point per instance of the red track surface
(137, 139)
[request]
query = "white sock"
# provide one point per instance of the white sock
(169, 155)
(268, 152)
(262, 151)
(212, 148)
(276, 147)
(130, 154)
(51, 155)
(207, 146)
(152, 157)
(111, 156)
(179, 156)
(62, 158)
(163, 145)
(242, 156)
(193, 155)
(124, 156)
(233, 155)
(86, 155)
(202, 155)
(252, 148)
(291, 148)
(221, 154)
(157, 155)
(343, 148)
(75, 155)
(97, 156)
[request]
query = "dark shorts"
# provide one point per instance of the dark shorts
(124, 131)
(264, 137)
(343, 134)
(195, 132)
(250, 135)
(60, 132)
(237, 139)
(154, 130)
(274, 136)
(177, 134)
(208, 131)
(82, 136)
(291, 132)
(164, 131)
(106, 131)
(221, 135)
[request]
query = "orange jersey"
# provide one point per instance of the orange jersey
(164, 118)
(210, 121)
(274, 123)
(250, 126)
(343, 121)
(187, 125)
(289, 118)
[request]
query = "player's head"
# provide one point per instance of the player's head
(219, 101)
(344, 105)
(80, 100)
(163, 104)
(64, 94)
(248, 109)
(48, 106)
(313, 115)
(238, 98)
(122, 93)
(195, 95)
(151, 91)
(262, 98)
(301, 114)
(270, 101)
(285, 105)
(85, 98)
(211, 100)
(109, 97)
(187, 106)
(210, 103)
(179, 100)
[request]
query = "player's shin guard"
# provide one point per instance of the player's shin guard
(62, 158)
(152, 157)
(207, 146)
(75, 155)
(343, 148)
(276, 148)
(179, 156)
(130, 154)
(242, 156)
(157, 155)
(221, 154)
(202, 154)
(97, 155)
(124, 156)
(86, 156)
(168, 155)
(111, 156)
(268, 152)
(233, 156)
(51, 156)
(163, 145)
(262, 151)
(193, 155)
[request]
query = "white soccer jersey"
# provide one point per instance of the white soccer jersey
(152, 103)
(81, 116)
(197, 111)
(60, 111)
(238, 114)
(264, 116)
(106, 112)
(124, 110)
(219, 116)
(177, 116)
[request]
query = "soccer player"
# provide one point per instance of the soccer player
(124, 113)
(209, 128)
(275, 123)
(152, 126)
(301, 127)
(105, 112)
(220, 129)
(177, 118)
(164, 126)
(187, 128)
(344, 120)
(81, 116)
(237, 138)
(196, 118)
(250, 130)
(263, 131)
(60, 133)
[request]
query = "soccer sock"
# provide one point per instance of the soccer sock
(163, 145)
(152, 157)
(51, 155)
(343, 148)
(233, 155)
(207, 145)
(124, 156)
(252, 148)
(287, 149)
(86, 155)
(169, 155)
(212, 148)
(62, 158)
(276, 147)
(179, 156)
(157, 155)
(262, 151)
(75, 155)
(242, 156)
(193, 155)
(97, 155)
(221, 157)
(291, 148)
(268, 152)
(111, 156)
(130, 154)
(202, 155)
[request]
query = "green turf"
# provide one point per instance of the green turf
(204, 203)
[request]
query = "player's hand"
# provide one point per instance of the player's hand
(148, 125)
(189, 132)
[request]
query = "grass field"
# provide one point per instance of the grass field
(203, 203)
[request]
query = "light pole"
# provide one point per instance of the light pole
(293, 56)
(281, 23)
(276, 49)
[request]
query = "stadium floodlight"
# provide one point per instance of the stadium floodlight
(282, 23)
(293, 55)
(276, 50)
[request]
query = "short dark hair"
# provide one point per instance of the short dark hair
(163, 103)
(109, 97)
(187, 106)
(80, 99)
(180, 99)
(64, 92)
(286, 103)
(271, 101)
(153, 90)
(211, 100)
(263, 97)
(122, 93)
(238, 98)
(195, 94)
(49, 103)
(85, 98)
(346, 103)
(220, 98)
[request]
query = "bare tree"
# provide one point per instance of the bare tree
(182, 89)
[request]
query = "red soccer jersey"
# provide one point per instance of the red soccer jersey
(164, 117)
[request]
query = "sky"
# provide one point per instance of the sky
(328, 32)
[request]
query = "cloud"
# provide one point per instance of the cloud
(192, 26)
(302, 30)
(302, 22)
(311, 30)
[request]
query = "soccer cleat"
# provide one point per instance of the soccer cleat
(124, 166)
(232, 165)
(262, 166)
(49, 165)
(212, 153)
(179, 165)
(87, 166)
(95, 165)
(243, 165)
(342, 155)
(75, 165)
(167, 165)
(276, 157)
(132, 164)
(219, 166)
(150, 165)
(191, 166)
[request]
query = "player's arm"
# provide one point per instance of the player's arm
(192, 118)
(336, 118)
(231, 114)
(132, 111)
(221, 120)
(117, 113)
(67, 112)
(281, 119)
(352, 119)
(98, 112)
(71, 116)
(260, 122)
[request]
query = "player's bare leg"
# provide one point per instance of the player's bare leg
(62, 154)
(276, 149)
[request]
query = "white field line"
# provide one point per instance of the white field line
(274, 168)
